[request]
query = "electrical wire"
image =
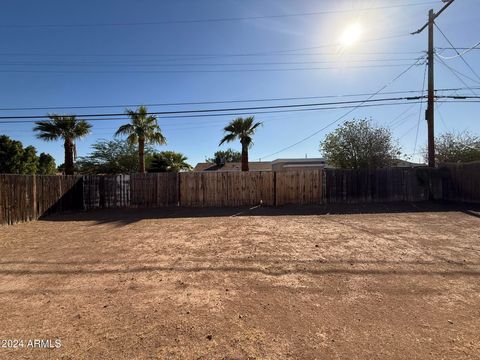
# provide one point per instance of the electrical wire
(210, 102)
(27, 120)
(457, 76)
(345, 114)
(210, 56)
(189, 71)
(223, 101)
(420, 111)
(193, 111)
(460, 55)
(211, 20)
(177, 64)
(400, 117)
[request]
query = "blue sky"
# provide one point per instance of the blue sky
(104, 53)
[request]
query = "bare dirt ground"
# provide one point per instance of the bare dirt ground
(395, 283)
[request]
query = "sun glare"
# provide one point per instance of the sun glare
(351, 34)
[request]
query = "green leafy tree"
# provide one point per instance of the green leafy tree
(243, 130)
(112, 157)
(169, 161)
(61, 168)
(228, 155)
(359, 144)
(46, 165)
(142, 130)
(10, 155)
(457, 147)
(67, 128)
(15, 159)
(29, 161)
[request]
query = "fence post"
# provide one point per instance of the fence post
(178, 188)
(274, 188)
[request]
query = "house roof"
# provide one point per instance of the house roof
(234, 166)
(267, 165)
(300, 160)
(405, 163)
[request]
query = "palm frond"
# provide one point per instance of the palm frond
(255, 126)
(81, 129)
(132, 138)
(46, 130)
(125, 129)
(228, 138)
(157, 138)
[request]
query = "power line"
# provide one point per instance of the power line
(264, 53)
(211, 20)
(218, 101)
(224, 101)
(466, 51)
(420, 110)
(177, 64)
(441, 118)
(457, 76)
(453, 70)
(214, 55)
(475, 47)
(345, 114)
(407, 132)
(399, 118)
(193, 111)
(188, 71)
(458, 53)
(254, 112)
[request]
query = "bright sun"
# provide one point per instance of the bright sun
(351, 34)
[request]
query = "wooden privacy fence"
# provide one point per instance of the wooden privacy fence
(226, 188)
(383, 185)
(299, 187)
(135, 190)
(27, 197)
(463, 182)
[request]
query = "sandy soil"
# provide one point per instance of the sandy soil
(269, 284)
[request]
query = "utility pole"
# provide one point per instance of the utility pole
(430, 113)
(431, 92)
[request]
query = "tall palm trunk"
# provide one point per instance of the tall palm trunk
(69, 167)
(141, 154)
(244, 157)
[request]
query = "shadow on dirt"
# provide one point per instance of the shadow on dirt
(125, 216)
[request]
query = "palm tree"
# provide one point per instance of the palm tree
(67, 128)
(169, 161)
(142, 129)
(243, 130)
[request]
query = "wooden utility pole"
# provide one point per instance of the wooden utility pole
(431, 92)
(430, 114)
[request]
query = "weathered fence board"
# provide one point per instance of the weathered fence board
(153, 190)
(382, 185)
(111, 191)
(27, 197)
(462, 182)
(299, 187)
(199, 189)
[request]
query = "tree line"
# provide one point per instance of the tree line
(354, 144)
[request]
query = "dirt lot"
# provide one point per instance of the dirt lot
(392, 283)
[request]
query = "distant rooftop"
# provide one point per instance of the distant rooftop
(299, 160)
(259, 165)
(234, 166)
